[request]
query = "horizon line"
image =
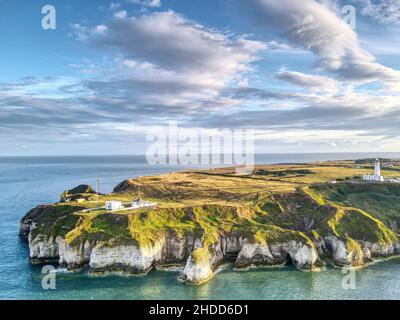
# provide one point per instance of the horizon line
(141, 154)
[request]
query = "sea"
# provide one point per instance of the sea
(28, 181)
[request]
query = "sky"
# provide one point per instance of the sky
(295, 72)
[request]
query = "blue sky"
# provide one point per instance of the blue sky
(114, 70)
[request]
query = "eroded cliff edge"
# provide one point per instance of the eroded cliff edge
(307, 227)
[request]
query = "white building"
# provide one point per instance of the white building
(113, 205)
(377, 176)
(142, 204)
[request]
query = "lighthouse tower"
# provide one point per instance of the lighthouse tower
(377, 176)
(377, 169)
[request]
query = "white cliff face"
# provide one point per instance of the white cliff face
(338, 250)
(301, 255)
(369, 250)
(380, 250)
(254, 254)
(127, 258)
(43, 247)
(341, 255)
(232, 245)
(177, 250)
(173, 249)
(304, 257)
(74, 256)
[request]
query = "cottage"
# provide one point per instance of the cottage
(113, 205)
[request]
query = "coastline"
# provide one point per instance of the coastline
(235, 236)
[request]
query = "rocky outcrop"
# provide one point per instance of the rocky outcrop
(202, 264)
(197, 272)
(82, 191)
(358, 253)
(380, 250)
(32, 215)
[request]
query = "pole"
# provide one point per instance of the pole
(98, 191)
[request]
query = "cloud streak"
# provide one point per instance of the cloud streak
(316, 28)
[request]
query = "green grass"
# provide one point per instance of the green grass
(379, 200)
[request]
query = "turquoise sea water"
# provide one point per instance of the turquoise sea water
(26, 182)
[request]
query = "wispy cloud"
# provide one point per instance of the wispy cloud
(312, 82)
(315, 27)
(147, 3)
(383, 11)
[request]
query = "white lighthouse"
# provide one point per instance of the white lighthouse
(377, 168)
(377, 176)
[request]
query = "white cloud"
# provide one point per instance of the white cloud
(147, 3)
(100, 29)
(114, 6)
(121, 14)
(316, 28)
(385, 11)
(312, 82)
(274, 45)
(182, 48)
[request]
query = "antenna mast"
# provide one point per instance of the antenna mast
(98, 191)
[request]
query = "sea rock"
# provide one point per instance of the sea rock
(197, 270)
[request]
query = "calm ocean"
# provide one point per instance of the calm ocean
(28, 181)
